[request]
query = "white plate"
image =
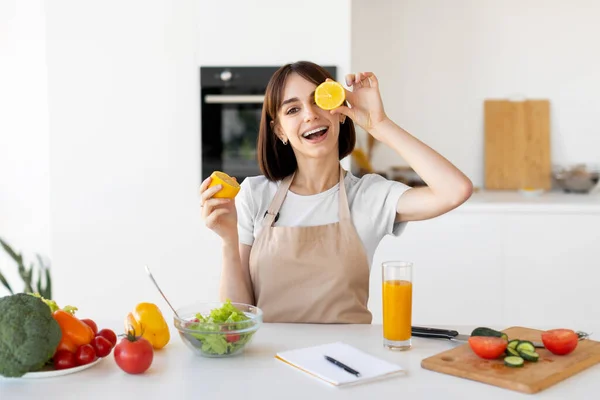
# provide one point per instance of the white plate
(59, 372)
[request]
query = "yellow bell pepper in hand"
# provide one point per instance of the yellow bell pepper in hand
(147, 320)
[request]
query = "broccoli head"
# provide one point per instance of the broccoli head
(29, 335)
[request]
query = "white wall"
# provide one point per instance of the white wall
(124, 153)
(438, 60)
(123, 136)
(24, 174)
(273, 32)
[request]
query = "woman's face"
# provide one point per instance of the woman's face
(310, 130)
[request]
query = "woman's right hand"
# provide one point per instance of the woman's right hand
(219, 215)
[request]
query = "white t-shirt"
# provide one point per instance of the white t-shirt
(372, 200)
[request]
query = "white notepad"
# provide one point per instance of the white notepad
(312, 360)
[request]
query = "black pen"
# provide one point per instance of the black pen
(344, 366)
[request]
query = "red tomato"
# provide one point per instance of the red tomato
(108, 334)
(85, 354)
(91, 324)
(64, 359)
(488, 347)
(560, 341)
(134, 355)
(102, 346)
(232, 337)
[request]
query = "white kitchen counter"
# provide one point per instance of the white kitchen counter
(179, 374)
(514, 201)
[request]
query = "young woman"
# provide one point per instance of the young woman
(299, 240)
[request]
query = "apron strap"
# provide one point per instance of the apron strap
(344, 209)
(272, 213)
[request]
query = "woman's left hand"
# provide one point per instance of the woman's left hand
(366, 107)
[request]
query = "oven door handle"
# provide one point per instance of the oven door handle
(233, 99)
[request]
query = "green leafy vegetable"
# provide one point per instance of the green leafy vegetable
(54, 306)
(221, 342)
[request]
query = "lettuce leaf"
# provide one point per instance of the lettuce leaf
(53, 306)
(216, 343)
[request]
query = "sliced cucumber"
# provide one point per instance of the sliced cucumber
(504, 336)
(513, 343)
(525, 345)
(529, 355)
(513, 361)
(483, 331)
(512, 352)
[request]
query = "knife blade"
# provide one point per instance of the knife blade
(452, 335)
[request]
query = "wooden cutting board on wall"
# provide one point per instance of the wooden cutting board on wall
(533, 377)
(517, 144)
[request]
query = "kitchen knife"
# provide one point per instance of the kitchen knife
(435, 333)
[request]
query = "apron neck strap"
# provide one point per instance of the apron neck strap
(273, 211)
(344, 209)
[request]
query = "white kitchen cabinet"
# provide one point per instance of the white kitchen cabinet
(552, 270)
(504, 259)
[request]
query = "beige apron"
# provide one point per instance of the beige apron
(310, 274)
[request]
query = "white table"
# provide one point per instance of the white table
(179, 374)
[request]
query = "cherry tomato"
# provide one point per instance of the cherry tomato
(560, 341)
(488, 347)
(108, 334)
(232, 337)
(85, 354)
(102, 346)
(64, 359)
(133, 354)
(91, 324)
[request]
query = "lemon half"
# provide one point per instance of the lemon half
(230, 186)
(330, 95)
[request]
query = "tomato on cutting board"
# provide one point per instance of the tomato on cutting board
(560, 341)
(488, 347)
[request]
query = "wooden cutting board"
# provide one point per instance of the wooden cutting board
(517, 144)
(533, 377)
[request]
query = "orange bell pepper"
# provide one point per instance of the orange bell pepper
(75, 333)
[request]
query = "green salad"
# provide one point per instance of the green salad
(223, 343)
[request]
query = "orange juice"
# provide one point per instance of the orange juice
(397, 310)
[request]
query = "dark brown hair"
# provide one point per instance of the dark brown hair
(276, 160)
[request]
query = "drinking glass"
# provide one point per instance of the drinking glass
(397, 304)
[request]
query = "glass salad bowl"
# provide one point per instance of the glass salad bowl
(219, 329)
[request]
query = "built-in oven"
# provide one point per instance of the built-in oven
(231, 107)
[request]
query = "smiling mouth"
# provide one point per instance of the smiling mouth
(316, 135)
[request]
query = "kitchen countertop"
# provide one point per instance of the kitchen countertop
(514, 201)
(177, 373)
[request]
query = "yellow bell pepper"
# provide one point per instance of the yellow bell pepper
(147, 320)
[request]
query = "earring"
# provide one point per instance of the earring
(285, 142)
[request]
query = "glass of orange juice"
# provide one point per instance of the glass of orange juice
(397, 304)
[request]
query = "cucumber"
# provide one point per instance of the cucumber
(512, 352)
(504, 336)
(483, 331)
(529, 355)
(513, 343)
(525, 345)
(513, 361)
